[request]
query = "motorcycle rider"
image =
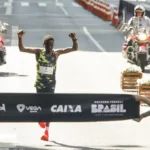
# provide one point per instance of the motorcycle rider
(144, 21)
(46, 67)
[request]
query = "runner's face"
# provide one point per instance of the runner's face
(139, 14)
(49, 45)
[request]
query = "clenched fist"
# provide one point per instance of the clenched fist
(72, 36)
(20, 33)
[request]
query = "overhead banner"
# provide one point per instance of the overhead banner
(67, 107)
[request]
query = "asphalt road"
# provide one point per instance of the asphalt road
(59, 21)
(87, 71)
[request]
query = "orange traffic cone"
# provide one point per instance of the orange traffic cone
(107, 13)
(115, 20)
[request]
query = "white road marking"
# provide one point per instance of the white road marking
(56, 1)
(61, 5)
(8, 7)
(93, 40)
(6, 4)
(75, 4)
(41, 4)
(64, 10)
(24, 4)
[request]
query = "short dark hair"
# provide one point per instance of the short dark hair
(47, 38)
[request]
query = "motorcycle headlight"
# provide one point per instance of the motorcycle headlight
(142, 37)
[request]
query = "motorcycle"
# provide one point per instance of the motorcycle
(3, 32)
(139, 54)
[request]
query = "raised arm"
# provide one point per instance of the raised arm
(69, 49)
(22, 48)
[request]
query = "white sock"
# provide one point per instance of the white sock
(47, 128)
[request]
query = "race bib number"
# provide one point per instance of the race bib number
(46, 70)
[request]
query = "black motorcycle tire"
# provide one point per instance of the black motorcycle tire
(142, 62)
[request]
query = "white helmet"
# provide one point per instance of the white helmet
(139, 8)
